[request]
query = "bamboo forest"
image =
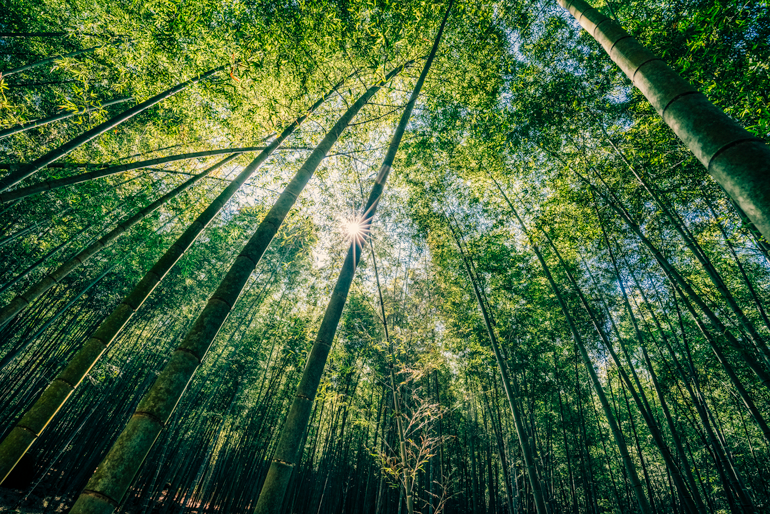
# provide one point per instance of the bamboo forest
(385, 256)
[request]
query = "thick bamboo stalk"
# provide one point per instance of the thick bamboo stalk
(738, 160)
(58, 153)
(112, 478)
(289, 443)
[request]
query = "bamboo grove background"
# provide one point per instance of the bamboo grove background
(528, 155)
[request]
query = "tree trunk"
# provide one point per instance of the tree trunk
(285, 458)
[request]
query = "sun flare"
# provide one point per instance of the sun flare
(353, 228)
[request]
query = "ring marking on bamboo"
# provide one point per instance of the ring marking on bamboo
(28, 430)
(101, 341)
(633, 77)
(600, 24)
(57, 379)
(304, 397)
(732, 144)
(382, 176)
(150, 416)
(246, 256)
(215, 299)
(677, 97)
(279, 461)
(102, 496)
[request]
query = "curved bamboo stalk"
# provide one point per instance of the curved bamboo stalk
(735, 158)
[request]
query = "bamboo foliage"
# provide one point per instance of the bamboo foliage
(562, 309)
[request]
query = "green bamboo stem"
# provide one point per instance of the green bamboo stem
(58, 117)
(58, 391)
(112, 170)
(23, 232)
(289, 448)
(8, 73)
(33, 292)
(528, 448)
(735, 158)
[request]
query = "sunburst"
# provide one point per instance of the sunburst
(355, 228)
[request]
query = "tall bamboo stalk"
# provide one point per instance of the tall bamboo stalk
(644, 506)
(738, 160)
(57, 393)
(528, 448)
(112, 170)
(33, 292)
(47, 60)
(289, 443)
